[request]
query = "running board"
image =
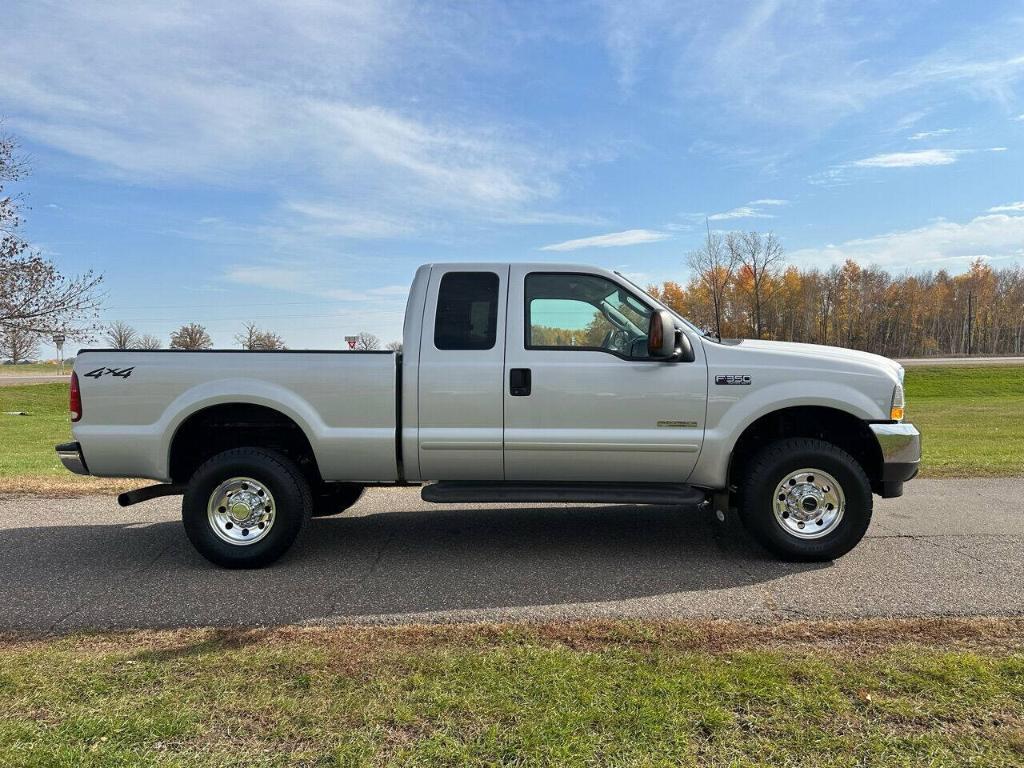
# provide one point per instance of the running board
(451, 492)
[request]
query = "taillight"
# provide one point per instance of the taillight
(75, 404)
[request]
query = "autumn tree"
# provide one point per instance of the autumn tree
(18, 345)
(395, 346)
(192, 337)
(120, 335)
(36, 298)
(253, 339)
(760, 256)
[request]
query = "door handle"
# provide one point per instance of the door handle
(519, 382)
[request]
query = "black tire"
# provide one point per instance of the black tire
(285, 484)
(758, 493)
(335, 498)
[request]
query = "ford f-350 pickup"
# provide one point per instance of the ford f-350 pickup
(516, 383)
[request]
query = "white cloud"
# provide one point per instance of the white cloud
(941, 243)
(611, 240)
(309, 99)
(1008, 208)
(752, 210)
(774, 62)
(930, 134)
(743, 212)
(910, 159)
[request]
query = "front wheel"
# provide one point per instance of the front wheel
(245, 507)
(805, 499)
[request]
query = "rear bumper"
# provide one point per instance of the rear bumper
(70, 455)
(901, 456)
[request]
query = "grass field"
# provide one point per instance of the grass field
(972, 419)
(936, 693)
(32, 369)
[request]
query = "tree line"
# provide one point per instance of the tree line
(741, 287)
(194, 336)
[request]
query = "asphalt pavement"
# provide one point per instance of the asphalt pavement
(948, 547)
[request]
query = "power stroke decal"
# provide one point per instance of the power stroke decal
(732, 378)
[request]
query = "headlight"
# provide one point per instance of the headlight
(898, 404)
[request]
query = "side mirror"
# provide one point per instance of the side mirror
(661, 336)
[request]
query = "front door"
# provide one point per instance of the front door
(582, 399)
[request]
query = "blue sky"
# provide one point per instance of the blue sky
(293, 164)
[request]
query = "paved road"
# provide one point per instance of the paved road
(948, 547)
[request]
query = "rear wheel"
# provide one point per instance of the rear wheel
(335, 498)
(805, 499)
(245, 507)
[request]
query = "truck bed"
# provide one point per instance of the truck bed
(133, 403)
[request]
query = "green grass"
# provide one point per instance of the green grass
(619, 694)
(972, 419)
(28, 440)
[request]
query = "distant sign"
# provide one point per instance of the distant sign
(351, 341)
(58, 340)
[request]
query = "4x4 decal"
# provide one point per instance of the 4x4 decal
(122, 373)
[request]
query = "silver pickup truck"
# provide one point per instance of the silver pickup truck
(516, 383)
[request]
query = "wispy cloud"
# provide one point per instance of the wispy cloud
(942, 243)
(611, 240)
(743, 212)
(780, 63)
(1008, 208)
(911, 159)
(752, 210)
(307, 98)
(920, 135)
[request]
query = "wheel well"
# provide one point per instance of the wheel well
(235, 425)
(840, 428)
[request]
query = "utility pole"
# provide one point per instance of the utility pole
(970, 321)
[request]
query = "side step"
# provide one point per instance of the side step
(452, 492)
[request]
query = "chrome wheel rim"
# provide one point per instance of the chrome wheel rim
(809, 503)
(241, 511)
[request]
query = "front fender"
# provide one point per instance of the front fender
(730, 412)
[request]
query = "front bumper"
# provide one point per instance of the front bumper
(70, 455)
(901, 456)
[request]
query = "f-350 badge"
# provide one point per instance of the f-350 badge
(732, 378)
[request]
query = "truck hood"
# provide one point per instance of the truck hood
(818, 352)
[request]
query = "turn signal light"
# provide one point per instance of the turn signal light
(896, 413)
(75, 404)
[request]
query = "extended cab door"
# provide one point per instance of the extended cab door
(461, 365)
(582, 399)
